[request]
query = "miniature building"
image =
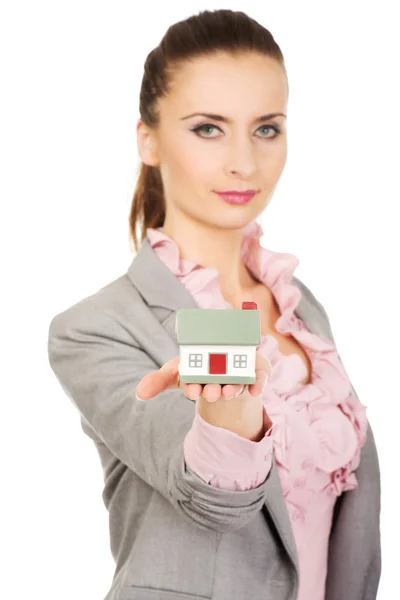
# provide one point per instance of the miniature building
(218, 345)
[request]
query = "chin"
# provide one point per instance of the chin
(237, 222)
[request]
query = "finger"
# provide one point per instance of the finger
(231, 390)
(157, 381)
(192, 390)
(212, 391)
(263, 371)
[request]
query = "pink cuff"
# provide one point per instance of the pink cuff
(225, 459)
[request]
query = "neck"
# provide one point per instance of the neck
(215, 247)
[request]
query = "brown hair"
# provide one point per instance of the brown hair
(199, 35)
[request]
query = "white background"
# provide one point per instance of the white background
(70, 77)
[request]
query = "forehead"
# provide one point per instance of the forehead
(210, 83)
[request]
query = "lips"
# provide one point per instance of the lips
(236, 197)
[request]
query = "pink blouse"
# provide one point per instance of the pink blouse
(318, 429)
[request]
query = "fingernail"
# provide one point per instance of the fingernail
(241, 390)
(263, 386)
(137, 398)
(260, 387)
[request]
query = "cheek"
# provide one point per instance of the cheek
(273, 162)
(194, 167)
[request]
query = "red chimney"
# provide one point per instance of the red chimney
(249, 305)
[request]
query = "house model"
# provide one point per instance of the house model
(218, 345)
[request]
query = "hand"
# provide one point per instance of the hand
(167, 378)
(227, 406)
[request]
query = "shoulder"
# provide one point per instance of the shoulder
(311, 309)
(115, 302)
(307, 294)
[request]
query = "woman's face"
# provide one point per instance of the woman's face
(239, 154)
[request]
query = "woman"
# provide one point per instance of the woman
(271, 491)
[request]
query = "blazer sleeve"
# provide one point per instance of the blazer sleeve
(98, 363)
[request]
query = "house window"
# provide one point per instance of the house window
(195, 360)
(240, 361)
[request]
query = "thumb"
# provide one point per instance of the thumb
(166, 377)
(263, 372)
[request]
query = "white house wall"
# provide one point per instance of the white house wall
(249, 351)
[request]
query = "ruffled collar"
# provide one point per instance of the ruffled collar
(274, 269)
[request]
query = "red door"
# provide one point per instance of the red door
(217, 364)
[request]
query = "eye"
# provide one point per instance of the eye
(210, 126)
(274, 128)
(203, 127)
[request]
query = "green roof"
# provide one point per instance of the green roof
(218, 326)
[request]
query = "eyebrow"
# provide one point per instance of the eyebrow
(226, 120)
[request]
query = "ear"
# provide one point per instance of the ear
(146, 144)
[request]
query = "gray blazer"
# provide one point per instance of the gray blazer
(173, 536)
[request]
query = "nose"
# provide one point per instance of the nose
(241, 157)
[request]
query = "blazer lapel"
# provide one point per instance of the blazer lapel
(156, 283)
(161, 291)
